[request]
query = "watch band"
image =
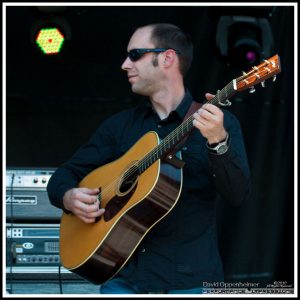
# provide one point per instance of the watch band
(219, 148)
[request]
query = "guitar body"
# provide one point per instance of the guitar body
(99, 250)
(137, 191)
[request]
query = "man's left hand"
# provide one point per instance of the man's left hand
(209, 119)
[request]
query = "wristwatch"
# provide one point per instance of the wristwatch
(219, 148)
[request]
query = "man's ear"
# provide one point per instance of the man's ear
(169, 57)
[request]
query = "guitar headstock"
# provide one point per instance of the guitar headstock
(269, 68)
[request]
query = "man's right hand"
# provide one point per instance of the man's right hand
(84, 203)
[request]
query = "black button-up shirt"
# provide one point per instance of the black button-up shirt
(181, 251)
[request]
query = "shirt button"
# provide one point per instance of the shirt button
(159, 126)
(184, 148)
(143, 250)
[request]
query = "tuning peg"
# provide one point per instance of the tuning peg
(252, 89)
(244, 73)
(274, 78)
(263, 84)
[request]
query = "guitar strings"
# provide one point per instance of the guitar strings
(154, 154)
(166, 145)
(184, 128)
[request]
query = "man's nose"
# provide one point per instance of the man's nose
(127, 64)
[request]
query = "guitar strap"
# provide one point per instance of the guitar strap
(171, 156)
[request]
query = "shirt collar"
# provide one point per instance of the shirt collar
(181, 110)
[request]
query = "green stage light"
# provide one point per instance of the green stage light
(50, 40)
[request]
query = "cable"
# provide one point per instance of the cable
(11, 250)
(59, 279)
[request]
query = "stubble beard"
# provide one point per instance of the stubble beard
(144, 87)
(140, 89)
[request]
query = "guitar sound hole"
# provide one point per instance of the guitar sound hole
(129, 180)
(126, 188)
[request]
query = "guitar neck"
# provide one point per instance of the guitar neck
(222, 95)
(184, 129)
(258, 74)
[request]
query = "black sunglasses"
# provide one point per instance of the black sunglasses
(136, 54)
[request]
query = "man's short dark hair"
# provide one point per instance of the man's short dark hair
(166, 35)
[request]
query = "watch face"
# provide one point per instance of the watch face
(222, 149)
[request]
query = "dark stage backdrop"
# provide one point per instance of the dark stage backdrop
(54, 104)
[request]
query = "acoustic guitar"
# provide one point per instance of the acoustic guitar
(137, 191)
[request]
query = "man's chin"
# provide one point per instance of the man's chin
(138, 90)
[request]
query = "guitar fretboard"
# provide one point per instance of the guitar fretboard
(185, 128)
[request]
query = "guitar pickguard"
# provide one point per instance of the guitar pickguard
(116, 204)
(126, 187)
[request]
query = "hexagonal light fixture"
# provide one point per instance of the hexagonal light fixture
(50, 40)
